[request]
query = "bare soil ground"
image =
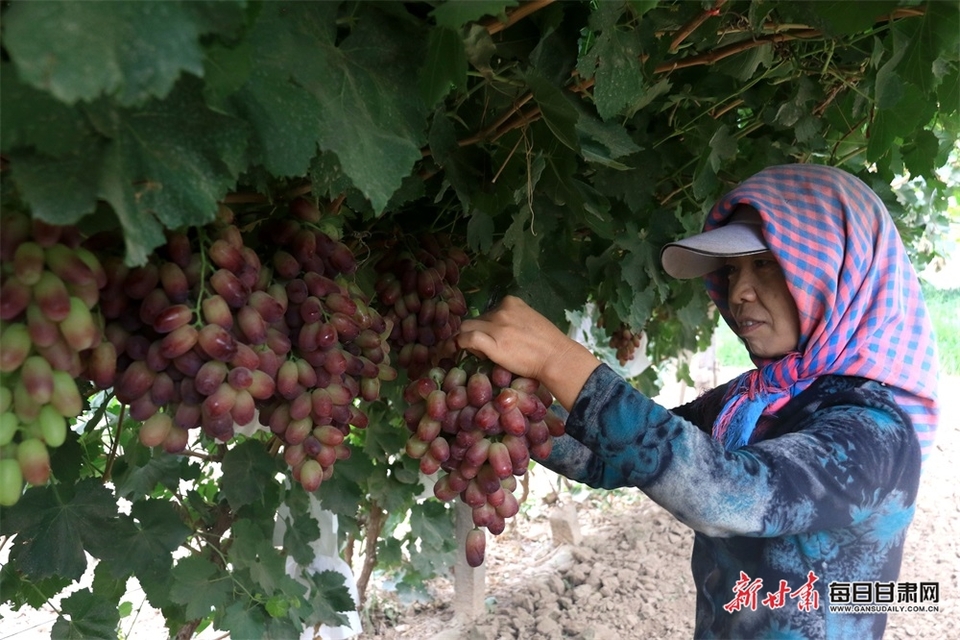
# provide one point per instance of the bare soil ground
(630, 578)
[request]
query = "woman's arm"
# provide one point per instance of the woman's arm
(829, 474)
(572, 459)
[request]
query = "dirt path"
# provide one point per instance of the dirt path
(629, 578)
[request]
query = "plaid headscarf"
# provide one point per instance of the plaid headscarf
(861, 309)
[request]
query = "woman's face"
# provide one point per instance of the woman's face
(764, 312)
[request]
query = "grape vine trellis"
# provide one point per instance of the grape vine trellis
(559, 143)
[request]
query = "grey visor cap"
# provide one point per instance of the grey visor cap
(705, 252)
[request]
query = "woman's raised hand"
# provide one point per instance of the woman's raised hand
(518, 338)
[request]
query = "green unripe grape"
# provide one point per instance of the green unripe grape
(155, 429)
(11, 482)
(6, 399)
(9, 425)
(28, 263)
(53, 426)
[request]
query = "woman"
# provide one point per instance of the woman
(800, 473)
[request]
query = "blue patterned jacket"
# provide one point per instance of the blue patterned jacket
(824, 497)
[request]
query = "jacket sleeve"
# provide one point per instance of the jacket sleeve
(829, 473)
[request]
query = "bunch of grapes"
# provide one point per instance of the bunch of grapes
(191, 332)
(49, 287)
(338, 348)
(479, 424)
(418, 293)
(211, 337)
(626, 343)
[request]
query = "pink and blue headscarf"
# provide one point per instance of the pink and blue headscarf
(861, 308)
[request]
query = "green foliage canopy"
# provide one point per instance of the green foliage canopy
(552, 135)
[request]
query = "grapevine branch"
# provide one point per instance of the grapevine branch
(684, 32)
(494, 26)
(113, 446)
(515, 117)
(372, 530)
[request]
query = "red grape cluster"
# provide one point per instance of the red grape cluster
(626, 343)
(209, 336)
(479, 424)
(191, 332)
(339, 352)
(49, 285)
(418, 293)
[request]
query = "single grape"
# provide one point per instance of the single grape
(34, 460)
(11, 480)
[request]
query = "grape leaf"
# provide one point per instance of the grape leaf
(634, 187)
(141, 233)
(948, 92)
(142, 543)
(480, 231)
(743, 66)
(62, 189)
(560, 283)
(245, 620)
(394, 492)
(525, 247)
(34, 118)
(55, 524)
(912, 110)
(106, 584)
(381, 437)
(330, 597)
(432, 526)
(390, 551)
(937, 30)
(302, 530)
(615, 64)
(16, 590)
(81, 50)
(140, 470)
(639, 260)
(456, 13)
(226, 70)
(365, 112)
(604, 143)
(85, 614)
(68, 461)
(444, 67)
(558, 113)
(345, 491)
(200, 585)
(837, 18)
(282, 116)
(723, 147)
(640, 7)
(920, 159)
(249, 475)
(252, 551)
(168, 164)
